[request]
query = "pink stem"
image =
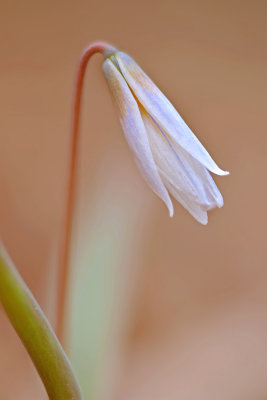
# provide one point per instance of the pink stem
(64, 263)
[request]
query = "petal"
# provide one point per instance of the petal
(168, 161)
(203, 181)
(196, 210)
(200, 176)
(159, 107)
(134, 131)
(174, 173)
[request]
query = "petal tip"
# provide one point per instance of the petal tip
(171, 212)
(169, 205)
(220, 172)
(220, 204)
(203, 219)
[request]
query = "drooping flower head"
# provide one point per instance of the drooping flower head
(170, 157)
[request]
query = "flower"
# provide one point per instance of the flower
(169, 155)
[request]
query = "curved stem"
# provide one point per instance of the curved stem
(36, 333)
(98, 47)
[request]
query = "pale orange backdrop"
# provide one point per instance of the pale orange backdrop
(197, 322)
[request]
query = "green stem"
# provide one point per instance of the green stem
(36, 334)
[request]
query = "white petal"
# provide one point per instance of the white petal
(167, 160)
(201, 178)
(196, 210)
(174, 173)
(159, 107)
(134, 131)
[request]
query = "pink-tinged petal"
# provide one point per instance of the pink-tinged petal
(159, 107)
(188, 173)
(174, 173)
(201, 178)
(135, 131)
(196, 210)
(168, 161)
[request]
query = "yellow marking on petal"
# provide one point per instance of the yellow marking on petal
(138, 75)
(116, 88)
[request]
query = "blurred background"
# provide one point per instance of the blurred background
(160, 308)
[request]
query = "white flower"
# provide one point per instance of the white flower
(170, 157)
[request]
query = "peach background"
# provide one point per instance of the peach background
(196, 326)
